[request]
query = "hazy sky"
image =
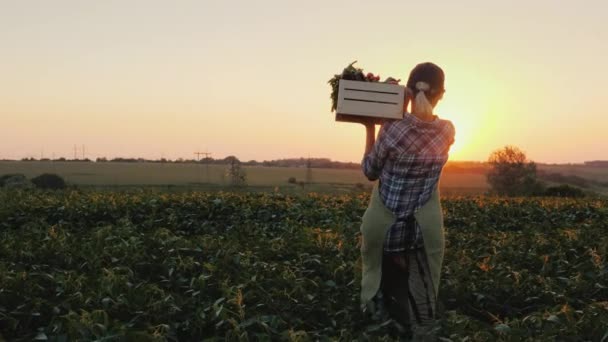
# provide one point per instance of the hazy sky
(249, 78)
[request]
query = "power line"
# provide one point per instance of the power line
(199, 154)
(207, 156)
(309, 171)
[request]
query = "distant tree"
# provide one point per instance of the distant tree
(597, 163)
(124, 160)
(235, 172)
(49, 181)
(231, 159)
(512, 174)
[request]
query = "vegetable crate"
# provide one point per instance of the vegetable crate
(378, 101)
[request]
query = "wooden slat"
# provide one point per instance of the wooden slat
(370, 99)
(373, 86)
(378, 97)
(370, 109)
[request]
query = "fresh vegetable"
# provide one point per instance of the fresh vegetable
(353, 74)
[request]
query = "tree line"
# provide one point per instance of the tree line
(288, 162)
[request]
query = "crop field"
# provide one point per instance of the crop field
(141, 265)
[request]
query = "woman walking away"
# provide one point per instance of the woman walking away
(402, 230)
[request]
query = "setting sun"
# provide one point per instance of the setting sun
(199, 81)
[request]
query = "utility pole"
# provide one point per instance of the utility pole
(207, 155)
(308, 171)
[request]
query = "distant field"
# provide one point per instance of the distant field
(455, 181)
(591, 172)
(157, 174)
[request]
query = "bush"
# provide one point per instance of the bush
(49, 181)
(15, 180)
(564, 190)
(5, 178)
(512, 174)
(292, 180)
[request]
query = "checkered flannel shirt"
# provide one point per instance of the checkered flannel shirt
(408, 157)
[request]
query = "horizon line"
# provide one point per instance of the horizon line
(181, 159)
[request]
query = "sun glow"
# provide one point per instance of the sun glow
(477, 105)
(459, 148)
(463, 142)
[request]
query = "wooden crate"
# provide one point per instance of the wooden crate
(378, 101)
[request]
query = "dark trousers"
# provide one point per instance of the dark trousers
(407, 287)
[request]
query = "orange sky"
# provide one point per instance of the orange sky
(156, 78)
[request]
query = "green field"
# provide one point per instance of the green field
(153, 266)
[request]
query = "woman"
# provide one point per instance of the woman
(402, 230)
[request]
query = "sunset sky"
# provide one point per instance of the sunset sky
(249, 78)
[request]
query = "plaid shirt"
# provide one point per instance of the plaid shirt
(408, 158)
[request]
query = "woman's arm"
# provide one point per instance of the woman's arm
(370, 139)
(375, 152)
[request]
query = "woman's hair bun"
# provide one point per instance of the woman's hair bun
(426, 79)
(428, 73)
(422, 86)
